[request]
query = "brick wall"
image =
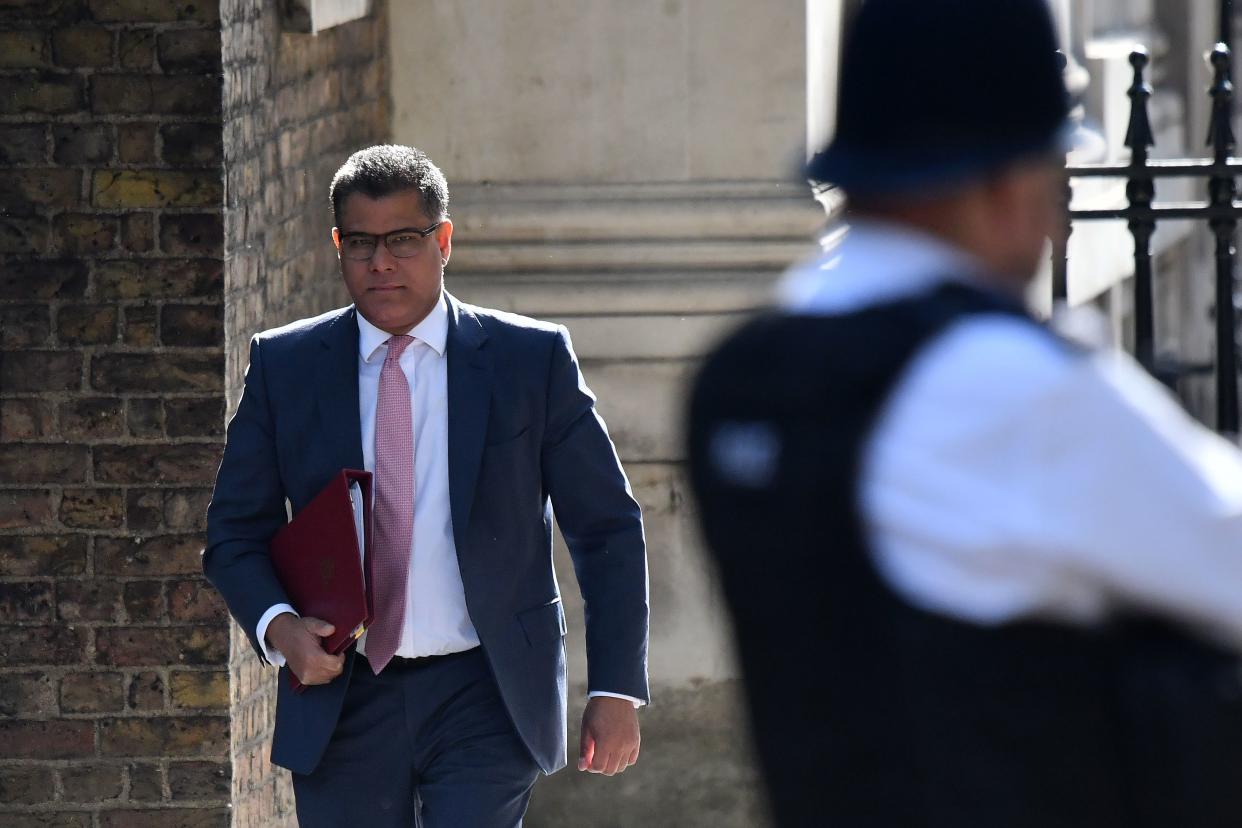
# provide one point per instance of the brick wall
(295, 106)
(113, 654)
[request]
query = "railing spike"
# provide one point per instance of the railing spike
(1220, 130)
(1139, 135)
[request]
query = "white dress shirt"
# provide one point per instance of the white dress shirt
(436, 619)
(1008, 477)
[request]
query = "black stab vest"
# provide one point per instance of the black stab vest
(867, 711)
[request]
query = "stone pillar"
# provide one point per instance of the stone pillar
(113, 650)
(295, 106)
(632, 171)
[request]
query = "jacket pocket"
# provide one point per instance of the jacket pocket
(543, 623)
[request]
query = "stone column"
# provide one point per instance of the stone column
(632, 171)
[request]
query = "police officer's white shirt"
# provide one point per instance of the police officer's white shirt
(1009, 477)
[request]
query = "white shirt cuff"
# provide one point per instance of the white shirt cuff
(594, 693)
(274, 656)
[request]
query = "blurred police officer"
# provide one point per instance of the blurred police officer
(980, 576)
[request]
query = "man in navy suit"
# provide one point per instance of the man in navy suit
(476, 423)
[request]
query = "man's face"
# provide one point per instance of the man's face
(393, 293)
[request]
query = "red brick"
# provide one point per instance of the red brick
(195, 51)
(194, 417)
(42, 280)
(41, 10)
(136, 143)
(140, 327)
(92, 783)
(23, 234)
(48, 819)
(200, 690)
(25, 326)
(88, 600)
(151, 373)
(181, 463)
(23, 144)
(44, 463)
(23, 49)
(155, 11)
(137, 49)
(82, 47)
(55, 739)
(43, 188)
(128, 189)
(86, 234)
(145, 417)
(86, 324)
(192, 325)
(26, 601)
(155, 646)
(192, 234)
(144, 510)
(146, 691)
(29, 695)
(148, 94)
(42, 645)
(92, 508)
(25, 508)
(46, 93)
(92, 417)
(25, 419)
(186, 509)
(41, 371)
(82, 143)
(192, 144)
(165, 737)
(43, 555)
(195, 600)
(164, 817)
(146, 782)
(138, 232)
(92, 693)
(199, 780)
(168, 278)
(163, 555)
(144, 601)
(26, 786)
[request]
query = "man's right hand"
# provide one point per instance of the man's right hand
(300, 640)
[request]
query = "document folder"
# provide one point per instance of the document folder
(323, 559)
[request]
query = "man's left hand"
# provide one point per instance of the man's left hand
(610, 739)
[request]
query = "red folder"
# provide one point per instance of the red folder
(317, 560)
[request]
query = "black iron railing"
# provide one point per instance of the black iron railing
(1142, 212)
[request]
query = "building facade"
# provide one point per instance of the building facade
(631, 171)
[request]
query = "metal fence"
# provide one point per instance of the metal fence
(1221, 212)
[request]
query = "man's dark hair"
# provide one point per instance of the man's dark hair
(386, 169)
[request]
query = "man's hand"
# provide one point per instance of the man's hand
(301, 642)
(610, 739)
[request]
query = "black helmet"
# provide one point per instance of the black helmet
(934, 92)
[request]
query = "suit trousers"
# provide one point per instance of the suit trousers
(426, 744)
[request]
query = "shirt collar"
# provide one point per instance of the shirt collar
(432, 331)
(873, 261)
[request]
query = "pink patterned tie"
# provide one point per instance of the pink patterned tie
(394, 506)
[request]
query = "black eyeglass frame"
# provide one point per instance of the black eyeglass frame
(377, 239)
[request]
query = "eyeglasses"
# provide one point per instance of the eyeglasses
(402, 243)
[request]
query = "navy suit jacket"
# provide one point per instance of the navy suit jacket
(523, 437)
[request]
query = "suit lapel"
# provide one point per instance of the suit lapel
(337, 381)
(469, 397)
